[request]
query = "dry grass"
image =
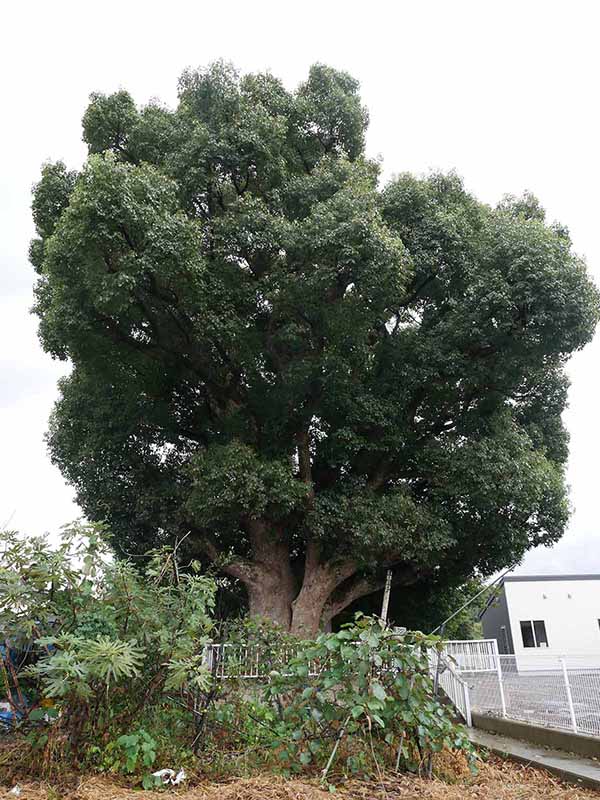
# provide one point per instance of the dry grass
(497, 780)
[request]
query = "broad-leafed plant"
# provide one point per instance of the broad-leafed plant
(100, 640)
(364, 694)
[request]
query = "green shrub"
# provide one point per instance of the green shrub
(112, 675)
(349, 703)
(110, 644)
(364, 691)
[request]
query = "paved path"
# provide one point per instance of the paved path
(572, 768)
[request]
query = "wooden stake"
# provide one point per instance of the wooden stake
(386, 596)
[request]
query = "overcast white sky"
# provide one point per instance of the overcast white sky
(504, 92)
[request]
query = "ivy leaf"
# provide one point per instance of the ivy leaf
(379, 691)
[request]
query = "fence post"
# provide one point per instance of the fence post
(467, 699)
(569, 695)
(436, 687)
(207, 659)
(500, 679)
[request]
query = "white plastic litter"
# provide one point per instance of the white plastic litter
(167, 775)
(170, 777)
(179, 778)
(16, 791)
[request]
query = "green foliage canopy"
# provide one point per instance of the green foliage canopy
(317, 377)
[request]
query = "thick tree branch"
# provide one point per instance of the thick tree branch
(381, 474)
(357, 589)
(268, 543)
(244, 571)
(364, 585)
(304, 462)
(415, 294)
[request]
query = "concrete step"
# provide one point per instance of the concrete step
(572, 768)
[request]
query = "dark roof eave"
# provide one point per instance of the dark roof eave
(536, 578)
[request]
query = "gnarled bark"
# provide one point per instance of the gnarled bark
(320, 580)
(271, 599)
(271, 584)
(300, 606)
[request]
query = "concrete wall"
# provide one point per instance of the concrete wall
(547, 737)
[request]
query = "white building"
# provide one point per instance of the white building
(553, 615)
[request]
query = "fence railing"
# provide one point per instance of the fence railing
(477, 654)
(453, 684)
(553, 691)
(248, 662)
(252, 662)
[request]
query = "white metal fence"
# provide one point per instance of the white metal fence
(477, 654)
(453, 684)
(538, 688)
(248, 661)
(252, 662)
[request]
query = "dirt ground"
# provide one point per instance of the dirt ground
(497, 780)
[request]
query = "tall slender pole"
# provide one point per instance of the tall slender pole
(436, 689)
(475, 596)
(386, 596)
(500, 679)
(569, 695)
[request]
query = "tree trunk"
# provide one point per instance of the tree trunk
(272, 585)
(327, 587)
(273, 589)
(306, 616)
(270, 597)
(320, 580)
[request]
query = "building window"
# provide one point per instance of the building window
(533, 633)
(527, 634)
(505, 644)
(539, 629)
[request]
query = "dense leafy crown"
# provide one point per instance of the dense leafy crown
(259, 332)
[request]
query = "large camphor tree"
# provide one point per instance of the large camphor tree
(315, 378)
